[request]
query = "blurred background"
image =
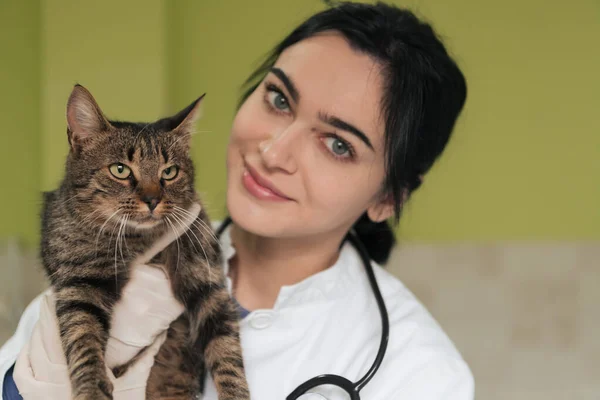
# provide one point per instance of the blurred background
(501, 243)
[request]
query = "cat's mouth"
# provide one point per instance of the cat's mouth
(146, 221)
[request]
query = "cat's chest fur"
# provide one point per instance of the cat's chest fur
(69, 240)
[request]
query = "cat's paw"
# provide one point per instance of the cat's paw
(239, 396)
(101, 391)
(93, 396)
(99, 395)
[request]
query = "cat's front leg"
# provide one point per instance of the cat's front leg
(198, 281)
(83, 319)
(176, 372)
(219, 340)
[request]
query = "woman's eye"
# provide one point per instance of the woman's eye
(278, 100)
(338, 147)
(169, 173)
(120, 171)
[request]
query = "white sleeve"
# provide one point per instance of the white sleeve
(11, 349)
(445, 379)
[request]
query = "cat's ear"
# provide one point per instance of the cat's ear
(184, 122)
(84, 117)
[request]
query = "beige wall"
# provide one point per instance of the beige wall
(525, 316)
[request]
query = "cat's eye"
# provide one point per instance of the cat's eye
(169, 173)
(120, 171)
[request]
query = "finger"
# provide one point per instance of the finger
(146, 309)
(45, 354)
(136, 377)
(36, 376)
(49, 331)
(31, 388)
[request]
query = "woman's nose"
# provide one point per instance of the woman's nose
(279, 151)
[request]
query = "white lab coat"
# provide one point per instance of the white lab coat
(330, 324)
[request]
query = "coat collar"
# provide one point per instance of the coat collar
(337, 281)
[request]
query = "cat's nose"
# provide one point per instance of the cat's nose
(151, 202)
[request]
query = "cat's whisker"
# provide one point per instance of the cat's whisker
(187, 229)
(124, 226)
(197, 131)
(102, 229)
(176, 241)
(199, 221)
(199, 242)
(140, 132)
(112, 232)
(187, 135)
(193, 223)
(71, 198)
(89, 221)
(125, 233)
(184, 222)
(207, 229)
(117, 241)
(78, 194)
(184, 229)
(203, 229)
(185, 212)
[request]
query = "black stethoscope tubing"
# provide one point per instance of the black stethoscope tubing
(351, 388)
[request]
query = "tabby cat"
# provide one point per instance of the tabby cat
(126, 186)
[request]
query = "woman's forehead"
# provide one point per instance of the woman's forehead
(333, 78)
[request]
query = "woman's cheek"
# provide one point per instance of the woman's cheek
(249, 121)
(326, 190)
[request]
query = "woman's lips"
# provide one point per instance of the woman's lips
(260, 187)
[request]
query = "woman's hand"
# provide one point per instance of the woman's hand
(140, 319)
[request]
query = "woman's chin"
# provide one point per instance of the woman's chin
(254, 218)
(268, 223)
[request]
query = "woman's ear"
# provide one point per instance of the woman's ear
(381, 209)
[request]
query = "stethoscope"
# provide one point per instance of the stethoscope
(352, 388)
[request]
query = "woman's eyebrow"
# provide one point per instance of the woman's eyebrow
(289, 85)
(328, 119)
(340, 124)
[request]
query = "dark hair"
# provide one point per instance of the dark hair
(424, 93)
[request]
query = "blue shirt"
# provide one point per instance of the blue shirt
(9, 388)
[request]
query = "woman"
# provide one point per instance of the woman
(335, 132)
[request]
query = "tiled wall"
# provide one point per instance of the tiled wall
(21, 279)
(526, 317)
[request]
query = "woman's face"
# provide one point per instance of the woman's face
(313, 132)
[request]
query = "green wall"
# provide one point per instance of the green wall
(114, 48)
(19, 119)
(524, 163)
